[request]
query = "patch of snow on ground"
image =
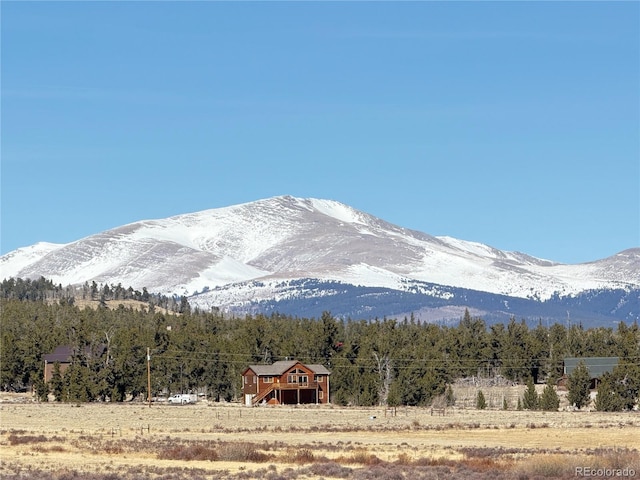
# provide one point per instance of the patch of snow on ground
(367, 276)
(475, 248)
(336, 210)
(222, 232)
(224, 272)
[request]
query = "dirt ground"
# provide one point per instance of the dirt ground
(212, 440)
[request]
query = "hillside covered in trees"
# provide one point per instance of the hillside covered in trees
(372, 362)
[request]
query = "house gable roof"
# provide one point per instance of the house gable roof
(64, 353)
(61, 354)
(319, 369)
(277, 368)
(280, 367)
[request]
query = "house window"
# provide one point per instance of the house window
(320, 394)
(298, 376)
(255, 379)
(318, 378)
(268, 380)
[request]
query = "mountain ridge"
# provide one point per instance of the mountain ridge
(286, 238)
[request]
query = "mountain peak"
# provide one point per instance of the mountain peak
(286, 238)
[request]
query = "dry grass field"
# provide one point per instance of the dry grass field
(216, 441)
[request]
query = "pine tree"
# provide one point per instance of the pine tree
(618, 390)
(394, 399)
(78, 384)
(329, 338)
(56, 383)
(606, 399)
(450, 399)
(578, 386)
(514, 350)
(41, 389)
(481, 403)
(530, 400)
(549, 399)
(627, 383)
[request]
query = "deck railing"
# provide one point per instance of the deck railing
(293, 385)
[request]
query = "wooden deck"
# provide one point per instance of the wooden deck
(279, 386)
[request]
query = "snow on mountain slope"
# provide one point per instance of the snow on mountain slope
(22, 257)
(284, 238)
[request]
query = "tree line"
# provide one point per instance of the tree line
(45, 290)
(373, 362)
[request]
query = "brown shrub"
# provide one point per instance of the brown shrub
(241, 452)
(564, 466)
(53, 448)
(362, 457)
(15, 439)
(328, 469)
(380, 472)
(482, 464)
(432, 462)
(548, 465)
(188, 452)
(299, 456)
(618, 459)
(404, 459)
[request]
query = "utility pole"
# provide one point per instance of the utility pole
(149, 377)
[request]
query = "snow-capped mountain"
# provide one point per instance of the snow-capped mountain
(253, 252)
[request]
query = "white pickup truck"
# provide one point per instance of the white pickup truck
(183, 398)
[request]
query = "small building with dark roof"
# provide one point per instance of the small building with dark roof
(597, 367)
(286, 382)
(63, 355)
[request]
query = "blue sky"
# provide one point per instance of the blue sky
(512, 124)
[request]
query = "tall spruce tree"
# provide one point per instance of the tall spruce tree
(619, 389)
(578, 386)
(515, 351)
(606, 399)
(56, 384)
(41, 389)
(549, 400)
(627, 386)
(481, 402)
(530, 400)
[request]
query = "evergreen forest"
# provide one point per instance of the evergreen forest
(373, 362)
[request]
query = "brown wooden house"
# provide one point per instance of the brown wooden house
(63, 355)
(286, 382)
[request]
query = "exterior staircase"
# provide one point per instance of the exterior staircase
(263, 394)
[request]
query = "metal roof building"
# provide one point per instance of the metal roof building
(597, 366)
